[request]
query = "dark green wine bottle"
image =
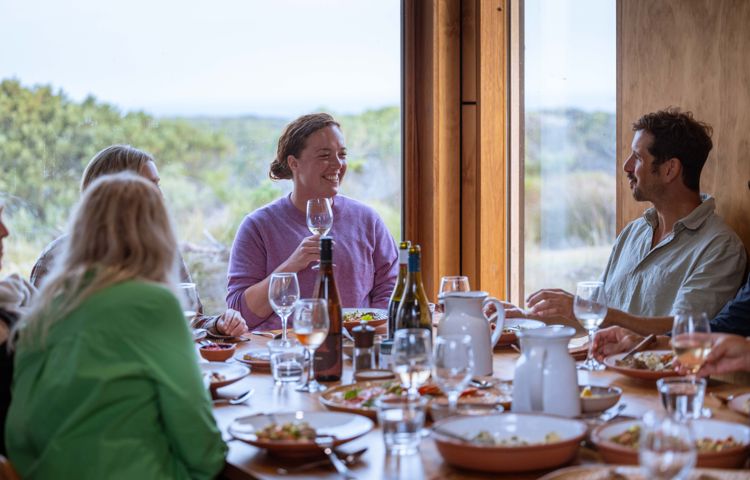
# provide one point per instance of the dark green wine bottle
(398, 289)
(414, 311)
(329, 356)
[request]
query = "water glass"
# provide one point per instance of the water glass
(682, 397)
(412, 357)
(401, 419)
(453, 365)
(288, 363)
(691, 339)
(666, 448)
(590, 308)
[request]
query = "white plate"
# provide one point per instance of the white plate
(741, 403)
(231, 371)
(343, 427)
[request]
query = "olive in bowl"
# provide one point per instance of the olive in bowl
(217, 352)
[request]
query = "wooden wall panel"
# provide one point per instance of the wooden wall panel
(694, 54)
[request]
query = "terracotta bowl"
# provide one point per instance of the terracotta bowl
(733, 457)
(498, 459)
(217, 352)
(601, 398)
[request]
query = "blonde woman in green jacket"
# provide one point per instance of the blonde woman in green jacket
(106, 380)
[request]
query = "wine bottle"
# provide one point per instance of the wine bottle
(329, 356)
(398, 289)
(414, 311)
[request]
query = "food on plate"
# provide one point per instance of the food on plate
(218, 346)
(362, 316)
(653, 361)
(287, 432)
(586, 392)
(434, 391)
(489, 439)
(365, 397)
(631, 437)
(215, 377)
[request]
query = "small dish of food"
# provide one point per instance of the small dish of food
(646, 365)
(293, 434)
(217, 352)
(596, 399)
(508, 442)
(720, 444)
(374, 317)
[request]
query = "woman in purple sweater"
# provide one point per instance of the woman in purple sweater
(311, 152)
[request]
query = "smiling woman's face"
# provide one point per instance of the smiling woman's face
(321, 166)
(3, 233)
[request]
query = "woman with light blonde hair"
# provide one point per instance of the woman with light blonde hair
(107, 342)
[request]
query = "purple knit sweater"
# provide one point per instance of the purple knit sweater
(364, 255)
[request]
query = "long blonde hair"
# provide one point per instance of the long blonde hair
(120, 231)
(114, 159)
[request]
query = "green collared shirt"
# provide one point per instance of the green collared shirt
(698, 266)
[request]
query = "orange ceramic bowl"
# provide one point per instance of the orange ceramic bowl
(217, 352)
(531, 428)
(732, 457)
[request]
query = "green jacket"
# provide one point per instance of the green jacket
(116, 392)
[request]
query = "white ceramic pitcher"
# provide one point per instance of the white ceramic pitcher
(545, 379)
(464, 314)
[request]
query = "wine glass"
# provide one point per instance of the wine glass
(283, 291)
(453, 366)
(412, 357)
(189, 300)
(311, 328)
(590, 308)
(691, 340)
(454, 283)
(319, 218)
(666, 448)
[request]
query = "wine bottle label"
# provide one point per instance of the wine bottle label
(328, 360)
(403, 256)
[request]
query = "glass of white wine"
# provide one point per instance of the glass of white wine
(311, 329)
(453, 366)
(590, 308)
(189, 300)
(283, 291)
(412, 358)
(319, 218)
(666, 448)
(691, 339)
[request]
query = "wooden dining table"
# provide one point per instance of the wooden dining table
(245, 461)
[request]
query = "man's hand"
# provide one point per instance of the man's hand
(306, 252)
(511, 311)
(549, 303)
(612, 340)
(729, 353)
(231, 323)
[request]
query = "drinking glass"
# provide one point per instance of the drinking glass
(666, 448)
(287, 363)
(283, 291)
(590, 308)
(691, 340)
(319, 216)
(453, 366)
(311, 328)
(401, 419)
(454, 283)
(412, 358)
(189, 300)
(682, 397)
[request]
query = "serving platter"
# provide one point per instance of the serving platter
(611, 363)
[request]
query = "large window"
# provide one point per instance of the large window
(204, 86)
(568, 141)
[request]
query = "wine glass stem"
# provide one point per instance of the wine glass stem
(284, 319)
(590, 356)
(311, 376)
(452, 401)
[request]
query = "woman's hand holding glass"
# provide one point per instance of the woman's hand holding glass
(283, 292)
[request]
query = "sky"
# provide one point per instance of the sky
(268, 57)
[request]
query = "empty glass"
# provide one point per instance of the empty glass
(454, 283)
(682, 397)
(189, 300)
(288, 363)
(666, 448)
(412, 357)
(453, 365)
(590, 308)
(401, 418)
(311, 329)
(283, 291)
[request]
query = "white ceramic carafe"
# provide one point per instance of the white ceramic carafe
(464, 314)
(545, 378)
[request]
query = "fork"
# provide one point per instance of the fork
(325, 443)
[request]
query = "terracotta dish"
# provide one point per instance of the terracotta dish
(258, 359)
(217, 352)
(603, 472)
(731, 457)
(227, 372)
(598, 399)
(611, 363)
(537, 455)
